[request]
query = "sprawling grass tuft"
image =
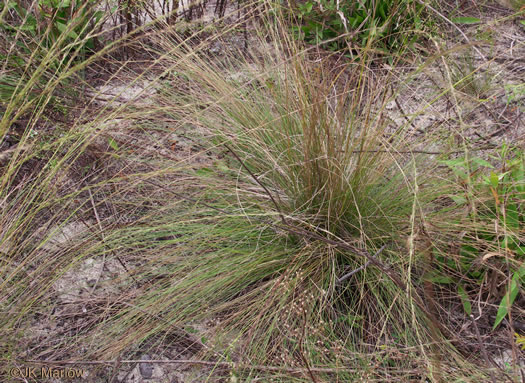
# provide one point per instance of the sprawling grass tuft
(261, 215)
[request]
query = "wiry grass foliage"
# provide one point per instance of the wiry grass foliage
(309, 171)
(236, 252)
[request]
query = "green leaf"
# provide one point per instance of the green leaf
(458, 199)
(53, 163)
(456, 166)
(381, 10)
(468, 251)
(519, 176)
(113, 144)
(63, 27)
(466, 20)
(97, 16)
(512, 214)
(309, 6)
(443, 279)
(453, 163)
(494, 180)
(464, 300)
(306, 8)
(522, 22)
(521, 271)
(482, 162)
(510, 242)
(29, 25)
(191, 330)
(352, 21)
(11, 5)
(508, 299)
(56, 3)
(204, 172)
(222, 166)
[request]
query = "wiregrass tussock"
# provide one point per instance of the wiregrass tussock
(292, 243)
(309, 183)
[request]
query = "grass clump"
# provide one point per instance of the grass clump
(299, 237)
(469, 79)
(310, 183)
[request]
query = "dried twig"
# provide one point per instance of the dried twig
(410, 121)
(346, 276)
(103, 241)
(482, 346)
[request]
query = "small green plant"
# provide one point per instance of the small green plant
(55, 18)
(518, 277)
(387, 24)
(516, 94)
(494, 197)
